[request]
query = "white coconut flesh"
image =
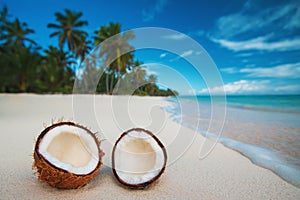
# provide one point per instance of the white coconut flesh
(70, 148)
(138, 158)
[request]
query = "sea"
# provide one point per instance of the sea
(264, 128)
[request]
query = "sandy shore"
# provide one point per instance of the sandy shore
(223, 174)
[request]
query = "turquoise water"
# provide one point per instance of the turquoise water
(265, 128)
(273, 103)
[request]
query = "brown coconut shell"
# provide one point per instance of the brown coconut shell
(150, 182)
(60, 178)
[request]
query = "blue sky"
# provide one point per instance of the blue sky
(254, 44)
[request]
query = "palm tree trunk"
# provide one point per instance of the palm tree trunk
(119, 63)
(119, 68)
(23, 83)
(107, 82)
(112, 83)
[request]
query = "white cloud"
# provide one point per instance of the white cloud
(257, 16)
(279, 71)
(294, 21)
(149, 14)
(290, 70)
(287, 88)
(163, 55)
(184, 54)
(260, 43)
(150, 69)
(244, 54)
(229, 70)
(178, 36)
(239, 87)
(260, 26)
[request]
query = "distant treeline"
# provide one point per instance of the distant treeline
(27, 67)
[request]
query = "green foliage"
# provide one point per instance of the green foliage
(68, 30)
(116, 52)
(27, 68)
(56, 74)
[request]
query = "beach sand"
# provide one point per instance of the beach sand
(223, 174)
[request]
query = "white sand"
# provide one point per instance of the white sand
(224, 174)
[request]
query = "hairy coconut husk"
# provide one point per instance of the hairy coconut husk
(150, 182)
(60, 178)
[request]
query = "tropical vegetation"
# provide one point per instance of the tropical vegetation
(27, 67)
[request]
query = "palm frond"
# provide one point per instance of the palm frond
(55, 33)
(53, 25)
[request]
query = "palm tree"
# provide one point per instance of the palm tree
(152, 79)
(67, 28)
(83, 47)
(3, 17)
(56, 71)
(112, 49)
(20, 65)
(3, 20)
(19, 61)
(15, 33)
(151, 87)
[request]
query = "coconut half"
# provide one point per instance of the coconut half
(67, 155)
(138, 158)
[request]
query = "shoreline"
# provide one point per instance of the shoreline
(281, 175)
(282, 163)
(224, 174)
(296, 184)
